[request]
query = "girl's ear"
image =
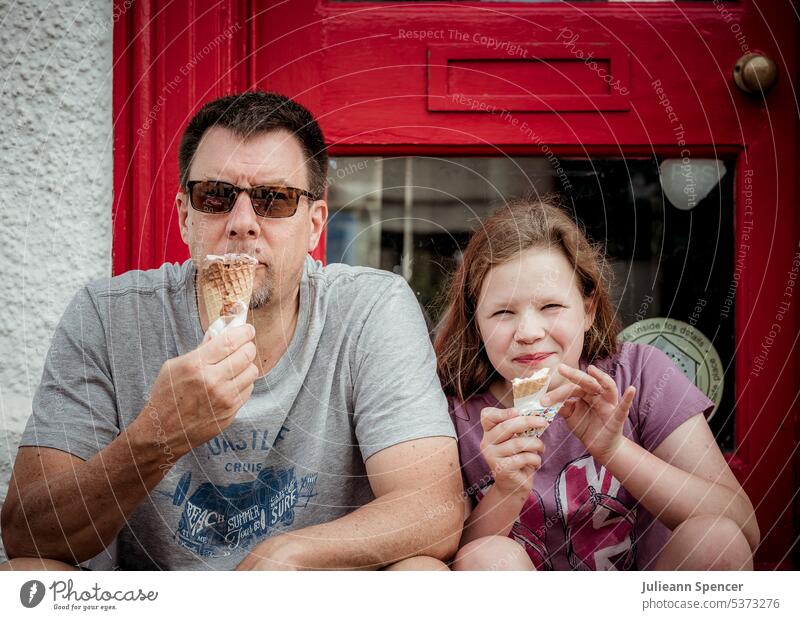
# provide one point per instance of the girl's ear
(590, 309)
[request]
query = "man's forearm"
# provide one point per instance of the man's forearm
(396, 526)
(74, 515)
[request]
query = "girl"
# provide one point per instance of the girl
(631, 477)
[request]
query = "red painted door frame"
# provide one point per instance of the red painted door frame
(379, 90)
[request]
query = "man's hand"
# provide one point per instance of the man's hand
(270, 554)
(512, 457)
(197, 395)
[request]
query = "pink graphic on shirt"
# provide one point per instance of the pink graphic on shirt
(598, 526)
(530, 530)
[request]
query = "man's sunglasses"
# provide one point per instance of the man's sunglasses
(267, 200)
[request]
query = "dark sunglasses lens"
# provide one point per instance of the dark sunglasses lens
(212, 197)
(271, 203)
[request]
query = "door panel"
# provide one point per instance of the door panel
(684, 52)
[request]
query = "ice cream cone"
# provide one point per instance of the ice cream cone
(527, 394)
(226, 283)
(530, 385)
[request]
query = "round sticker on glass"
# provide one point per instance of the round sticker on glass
(688, 349)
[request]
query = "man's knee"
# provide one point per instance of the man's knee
(420, 562)
(27, 564)
(492, 553)
(707, 543)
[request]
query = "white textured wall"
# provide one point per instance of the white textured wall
(55, 184)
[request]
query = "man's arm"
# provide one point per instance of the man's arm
(63, 508)
(418, 510)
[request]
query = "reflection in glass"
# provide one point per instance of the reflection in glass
(414, 215)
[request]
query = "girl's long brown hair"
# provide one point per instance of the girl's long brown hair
(463, 366)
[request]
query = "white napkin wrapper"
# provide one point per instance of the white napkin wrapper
(531, 405)
(226, 322)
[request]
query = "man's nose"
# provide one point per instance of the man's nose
(243, 222)
(530, 327)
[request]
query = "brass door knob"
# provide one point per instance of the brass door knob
(755, 74)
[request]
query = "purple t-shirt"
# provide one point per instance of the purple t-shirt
(578, 516)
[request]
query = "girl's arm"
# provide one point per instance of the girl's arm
(685, 476)
(513, 459)
(494, 515)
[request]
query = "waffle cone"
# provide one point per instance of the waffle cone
(226, 280)
(531, 385)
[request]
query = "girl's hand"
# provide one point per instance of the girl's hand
(512, 459)
(593, 410)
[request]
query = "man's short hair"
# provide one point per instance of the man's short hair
(258, 112)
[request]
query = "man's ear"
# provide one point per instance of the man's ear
(182, 205)
(590, 309)
(318, 214)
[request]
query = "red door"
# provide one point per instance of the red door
(624, 110)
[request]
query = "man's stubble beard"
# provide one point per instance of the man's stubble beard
(263, 294)
(266, 293)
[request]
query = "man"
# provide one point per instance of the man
(315, 436)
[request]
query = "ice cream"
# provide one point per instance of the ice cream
(226, 283)
(528, 393)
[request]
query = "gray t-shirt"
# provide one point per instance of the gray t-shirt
(359, 376)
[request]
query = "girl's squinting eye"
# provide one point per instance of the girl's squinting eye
(553, 306)
(499, 312)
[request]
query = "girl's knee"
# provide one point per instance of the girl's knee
(30, 564)
(709, 543)
(492, 553)
(714, 532)
(420, 562)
